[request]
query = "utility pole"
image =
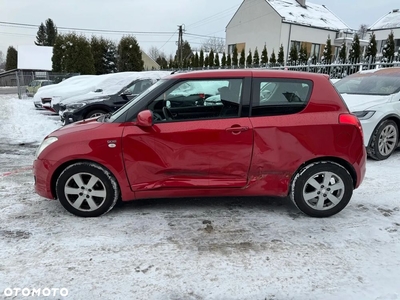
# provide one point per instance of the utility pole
(180, 45)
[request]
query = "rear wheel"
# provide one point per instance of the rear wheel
(384, 140)
(322, 189)
(87, 189)
(95, 113)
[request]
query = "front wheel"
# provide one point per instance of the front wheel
(322, 189)
(87, 189)
(384, 140)
(95, 113)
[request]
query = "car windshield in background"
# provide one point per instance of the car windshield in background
(369, 84)
(120, 111)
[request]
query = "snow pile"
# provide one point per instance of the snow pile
(389, 21)
(313, 14)
(22, 124)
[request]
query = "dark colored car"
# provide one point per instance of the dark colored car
(297, 139)
(74, 110)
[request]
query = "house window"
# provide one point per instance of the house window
(296, 44)
(315, 50)
(230, 48)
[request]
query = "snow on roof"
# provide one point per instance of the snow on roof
(314, 15)
(389, 21)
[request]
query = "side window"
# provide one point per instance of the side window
(198, 99)
(279, 96)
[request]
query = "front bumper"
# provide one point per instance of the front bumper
(42, 172)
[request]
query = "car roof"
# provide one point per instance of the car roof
(256, 73)
(395, 71)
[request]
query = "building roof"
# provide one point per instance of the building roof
(314, 15)
(389, 21)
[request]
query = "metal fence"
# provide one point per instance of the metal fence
(335, 70)
(22, 78)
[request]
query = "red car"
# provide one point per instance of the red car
(211, 133)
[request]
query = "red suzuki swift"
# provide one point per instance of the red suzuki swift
(211, 133)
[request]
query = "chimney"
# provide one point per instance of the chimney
(302, 2)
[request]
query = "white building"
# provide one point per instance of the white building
(285, 22)
(383, 27)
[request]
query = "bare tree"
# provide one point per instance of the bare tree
(154, 53)
(215, 43)
(362, 31)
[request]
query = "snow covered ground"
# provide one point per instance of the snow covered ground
(216, 248)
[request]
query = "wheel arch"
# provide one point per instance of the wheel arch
(63, 166)
(97, 106)
(349, 168)
(392, 117)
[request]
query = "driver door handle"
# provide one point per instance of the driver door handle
(237, 130)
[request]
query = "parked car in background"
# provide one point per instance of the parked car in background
(109, 95)
(374, 97)
(33, 87)
(91, 106)
(298, 140)
(45, 94)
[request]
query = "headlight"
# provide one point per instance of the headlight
(364, 115)
(44, 144)
(75, 105)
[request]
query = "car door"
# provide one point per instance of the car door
(196, 148)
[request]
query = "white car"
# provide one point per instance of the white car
(374, 97)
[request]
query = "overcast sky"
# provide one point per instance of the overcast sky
(205, 17)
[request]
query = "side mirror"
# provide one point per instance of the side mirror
(145, 119)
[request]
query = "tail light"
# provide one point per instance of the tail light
(350, 119)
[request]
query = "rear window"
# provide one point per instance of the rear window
(279, 96)
(369, 84)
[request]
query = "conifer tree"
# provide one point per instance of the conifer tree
(206, 62)
(249, 59)
(343, 53)
(196, 61)
(256, 58)
(216, 60)
(41, 35)
(303, 56)
(272, 60)
(281, 56)
(389, 48)
(11, 58)
(223, 60)
(211, 58)
(264, 56)
(327, 54)
(235, 55)
(129, 55)
(229, 60)
(201, 59)
(355, 51)
(46, 34)
(372, 48)
(110, 58)
(242, 58)
(293, 55)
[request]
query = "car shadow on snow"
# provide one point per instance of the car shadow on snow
(281, 206)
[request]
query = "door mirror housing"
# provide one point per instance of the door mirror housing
(145, 119)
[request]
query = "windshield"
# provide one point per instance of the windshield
(369, 84)
(128, 105)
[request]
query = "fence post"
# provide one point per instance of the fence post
(308, 65)
(19, 90)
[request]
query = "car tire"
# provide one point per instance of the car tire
(87, 189)
(95, 113)
(384, 140)
(322, 189)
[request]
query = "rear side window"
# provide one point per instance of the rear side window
(279, 96)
